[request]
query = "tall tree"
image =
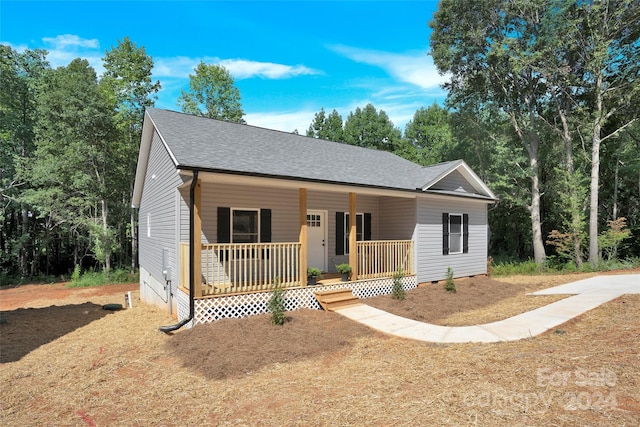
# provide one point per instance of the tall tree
(366, 127)
(212, 88)
(607, 41)
(326, 127)
(429, 132)
(487, 47)
(127, 80)
(20, 77)
(71, 173)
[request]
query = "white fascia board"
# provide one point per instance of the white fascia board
(471, 177)
(143, 160)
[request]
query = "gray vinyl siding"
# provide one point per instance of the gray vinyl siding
(454, 182)
(397, 218)
(158, 207)
(339, 202)
(431, 263)
(284, 211)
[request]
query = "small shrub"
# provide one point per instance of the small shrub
(343, 268)
(75, 276)
(398, 292)
(450, 284)
(276, 304)
(313, 272)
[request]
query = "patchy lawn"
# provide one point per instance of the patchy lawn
(68, 362)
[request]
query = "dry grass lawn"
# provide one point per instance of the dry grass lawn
(73, 364)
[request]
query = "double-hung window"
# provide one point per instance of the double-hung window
(347, 228)
(343, 226)
(455, 233)
(245, 226)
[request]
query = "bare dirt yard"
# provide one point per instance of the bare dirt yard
(65, 361)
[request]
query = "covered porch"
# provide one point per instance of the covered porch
(240, 268)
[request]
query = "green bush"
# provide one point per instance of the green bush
(97, 278)
(398, 292)
(275, 305)
(450, 284)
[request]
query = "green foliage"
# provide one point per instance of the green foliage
(430, 133)
(343, 268)
(571, 190)
(450, 284)
(99, 278)
(275, 305)
(509, 267)
(326, 127)
(367, 127)
(397, 291)
(75, 276)
(611, 239)
(313, 272)
(212, 87)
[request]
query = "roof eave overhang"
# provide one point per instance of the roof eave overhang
(281, 181)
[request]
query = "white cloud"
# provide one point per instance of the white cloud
(65, 40)
(182, 66)
(285, 121)
(244, 69)
(414, 68)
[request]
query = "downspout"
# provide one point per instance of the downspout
(192, 256)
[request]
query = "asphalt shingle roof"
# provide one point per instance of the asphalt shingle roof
(214, 145)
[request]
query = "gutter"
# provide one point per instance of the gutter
(192, 255)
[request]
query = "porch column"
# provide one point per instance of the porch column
(302, 214)
(353, 248)
(197, 239)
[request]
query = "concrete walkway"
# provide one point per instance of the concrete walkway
(590, 292)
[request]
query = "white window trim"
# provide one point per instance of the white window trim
(257, 210)
(461, 235)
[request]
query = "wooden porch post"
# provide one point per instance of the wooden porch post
(353, 248)
(197, 239)
(302, 213)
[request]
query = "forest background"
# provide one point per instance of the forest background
(543, 104)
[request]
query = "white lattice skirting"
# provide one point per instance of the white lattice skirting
(236, 306)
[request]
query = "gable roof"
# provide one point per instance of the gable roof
(211, 145)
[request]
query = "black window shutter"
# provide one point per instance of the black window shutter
(465, 233)
(339, 233)
(265, 225)
(367, 226)
(445, 234)
(224, 225)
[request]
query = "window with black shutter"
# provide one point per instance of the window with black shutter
(455, 233)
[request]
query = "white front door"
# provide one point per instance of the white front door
(317, 239)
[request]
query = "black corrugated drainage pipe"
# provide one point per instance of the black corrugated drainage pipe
(192, 256)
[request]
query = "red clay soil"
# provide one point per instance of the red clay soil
(34, 296)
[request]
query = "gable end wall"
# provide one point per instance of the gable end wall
(158, 207)
(431, 263)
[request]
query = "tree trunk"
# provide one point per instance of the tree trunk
(531, 143)
(615, 187)
(594, 255)
(107, 239)
(539, 254)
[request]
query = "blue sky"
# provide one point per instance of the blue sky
(288, 58)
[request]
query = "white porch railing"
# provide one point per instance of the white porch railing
(384, 258)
